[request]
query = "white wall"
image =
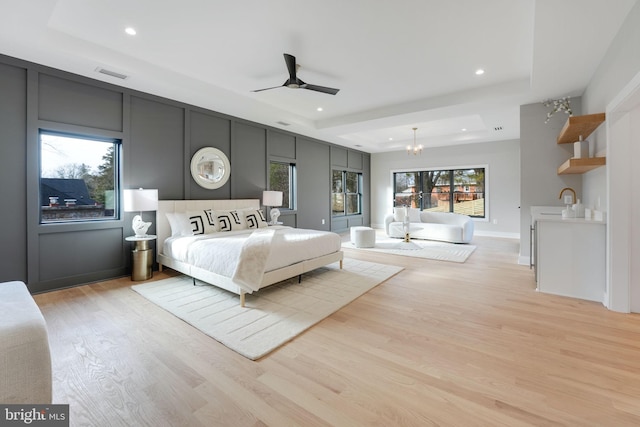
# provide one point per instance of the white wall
(619, 65)
(619, 71)
(502, 159)
(617, 68)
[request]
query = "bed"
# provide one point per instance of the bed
(241, 260)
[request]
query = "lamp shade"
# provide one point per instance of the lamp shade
(140, 200)
(272, 198)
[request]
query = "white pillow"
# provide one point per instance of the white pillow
(230, 220)
(414, 215)
(399, 213)
(254, 218)
(202, 222)
(179, 222)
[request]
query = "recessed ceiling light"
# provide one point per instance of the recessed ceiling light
(464, 129)
(390, 139)
(479, 72)
(131, 31)
(319, 108)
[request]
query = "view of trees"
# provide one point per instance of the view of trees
(280, 179)
(103, 182)
(99, 181)
(441, 190)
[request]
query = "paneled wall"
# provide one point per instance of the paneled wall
(344, 159)
(158, 136)
(13, 170)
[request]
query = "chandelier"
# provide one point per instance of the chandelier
(416, 149)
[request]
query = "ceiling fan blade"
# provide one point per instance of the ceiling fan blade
(269, 88)
(291, 66)
(323, 89)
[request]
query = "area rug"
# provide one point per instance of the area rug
(272, 316)
(429, 249)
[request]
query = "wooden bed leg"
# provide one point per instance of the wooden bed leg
(299, 278)
(340, 264)
(241, 298)
(159, 268)
(194, 281)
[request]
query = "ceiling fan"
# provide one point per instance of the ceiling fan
(294, 82)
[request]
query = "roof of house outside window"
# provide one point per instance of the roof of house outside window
(64, 189)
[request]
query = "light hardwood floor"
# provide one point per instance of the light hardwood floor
(440, 343)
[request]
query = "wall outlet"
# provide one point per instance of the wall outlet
(322, 221)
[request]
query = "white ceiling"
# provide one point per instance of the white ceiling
(398, 65)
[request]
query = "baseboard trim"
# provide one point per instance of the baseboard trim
(502, 234)
(483, 233)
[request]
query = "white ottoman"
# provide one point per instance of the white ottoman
(25, 360)
(363, 237)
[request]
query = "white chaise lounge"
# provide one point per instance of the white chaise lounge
(442, 226)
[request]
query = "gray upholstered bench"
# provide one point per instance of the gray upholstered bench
(25, 360)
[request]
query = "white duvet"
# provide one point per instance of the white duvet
(268, 249)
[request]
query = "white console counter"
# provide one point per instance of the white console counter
(570, 257)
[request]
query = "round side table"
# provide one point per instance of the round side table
(142, 257)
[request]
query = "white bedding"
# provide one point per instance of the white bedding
(220, 252)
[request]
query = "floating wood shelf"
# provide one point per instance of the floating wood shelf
(579, 125)
(581, 165)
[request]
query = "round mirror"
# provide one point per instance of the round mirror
(210, 168)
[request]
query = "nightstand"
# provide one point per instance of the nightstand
(142, 257)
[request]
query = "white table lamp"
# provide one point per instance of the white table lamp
(140, 200)
(272, 199)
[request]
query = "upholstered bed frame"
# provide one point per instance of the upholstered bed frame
(163, 231)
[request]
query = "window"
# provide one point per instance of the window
(346, 194)
(282, 177)
(455, 190)
(78, 178)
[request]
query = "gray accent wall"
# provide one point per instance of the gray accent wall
(13, 170)
(347, 160)
(314, 204)
(158, 136)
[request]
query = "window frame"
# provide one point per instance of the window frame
(451, 182)
(292, 194)
(116, 143)
(345, 194)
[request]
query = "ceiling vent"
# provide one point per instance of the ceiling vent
(111, 73)
(283, 123)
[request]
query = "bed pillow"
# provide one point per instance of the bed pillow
(179, 223)
(255, 218)
(414, 215)
(399, 213)
(202, 222)
(230, 220)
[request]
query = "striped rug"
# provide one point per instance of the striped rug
(272, 316)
